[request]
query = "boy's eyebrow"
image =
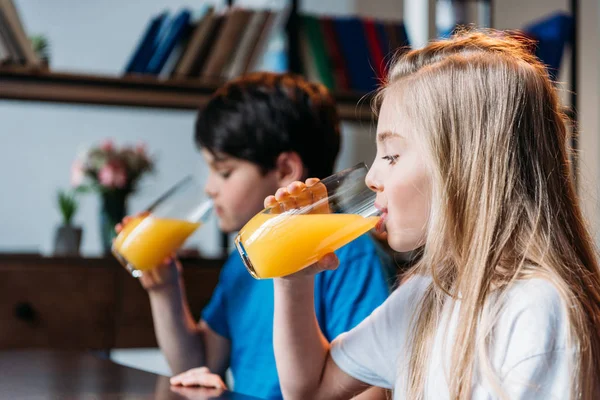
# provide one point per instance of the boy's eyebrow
(383, 136)
(219, 158)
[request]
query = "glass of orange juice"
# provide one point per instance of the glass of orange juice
(147, 240)
(326, 216)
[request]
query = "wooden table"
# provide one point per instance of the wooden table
(85, 303)
(72, 375)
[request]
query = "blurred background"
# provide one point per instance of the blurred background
(129, 77)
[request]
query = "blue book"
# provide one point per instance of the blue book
(354, 48)
(146, 45)
(402, 35)
(552, 34)
(177, 29)
(384, 40)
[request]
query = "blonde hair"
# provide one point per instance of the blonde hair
(504, 207)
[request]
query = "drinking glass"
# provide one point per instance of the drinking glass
(290, 236)
(149, 238)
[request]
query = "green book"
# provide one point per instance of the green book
(312, 29)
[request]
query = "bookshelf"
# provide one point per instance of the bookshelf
(134, 91)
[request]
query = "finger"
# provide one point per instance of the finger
(146, 281)
(301, 194)
(270, 202)
(295, 188)
(329, 261)
(319, 198)
(311, 181)
(176, 380)
(199, 393)
(281, 194)
(155, 275)
(286, 201)
(124, 222)
(170, 259)
(203, 379)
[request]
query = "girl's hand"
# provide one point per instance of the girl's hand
(298, 195)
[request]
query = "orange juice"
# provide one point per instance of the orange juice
(127, 229)
(279, 245)
(144, 243)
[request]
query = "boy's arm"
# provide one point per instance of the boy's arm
(184, 343)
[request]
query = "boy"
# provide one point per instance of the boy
(258, 133)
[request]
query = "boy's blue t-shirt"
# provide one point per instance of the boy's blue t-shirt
(241, 310)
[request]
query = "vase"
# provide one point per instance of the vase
(67, 240)
(113, 208)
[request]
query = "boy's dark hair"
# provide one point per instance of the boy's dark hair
(261, 115)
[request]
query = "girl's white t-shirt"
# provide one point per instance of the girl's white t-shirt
(528, 350)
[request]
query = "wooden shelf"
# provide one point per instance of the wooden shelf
(134, 91)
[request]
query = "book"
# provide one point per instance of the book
(375, 48)
(270, 52)
(384, 40)
(4, 54)
(204, 54)
(176, 54)
(312, 30)
(147, 44)
(307, 57)
(175, 32)
(356, 53)
(226, 42)
(552, 34)
(340, 72)
(14, 24)
(247, 44)
(397, 36)
(8, 38)
(197, 41)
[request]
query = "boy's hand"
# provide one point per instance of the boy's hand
(199, 377)
(166, 274)
(197, 393)
(297, 195)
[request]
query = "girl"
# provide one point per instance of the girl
(472, 168)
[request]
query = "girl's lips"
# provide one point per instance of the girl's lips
(380, 227)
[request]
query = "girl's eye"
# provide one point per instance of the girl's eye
(391, 159)
(225, 174)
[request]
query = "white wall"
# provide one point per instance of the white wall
(38, 141)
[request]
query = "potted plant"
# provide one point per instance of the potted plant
(114, 174)
(41, 48)
(67, 239)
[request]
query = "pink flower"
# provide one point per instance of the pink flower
(112, 175)
(107, 145)
(77, 173)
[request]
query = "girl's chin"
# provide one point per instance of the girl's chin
(398, 243)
